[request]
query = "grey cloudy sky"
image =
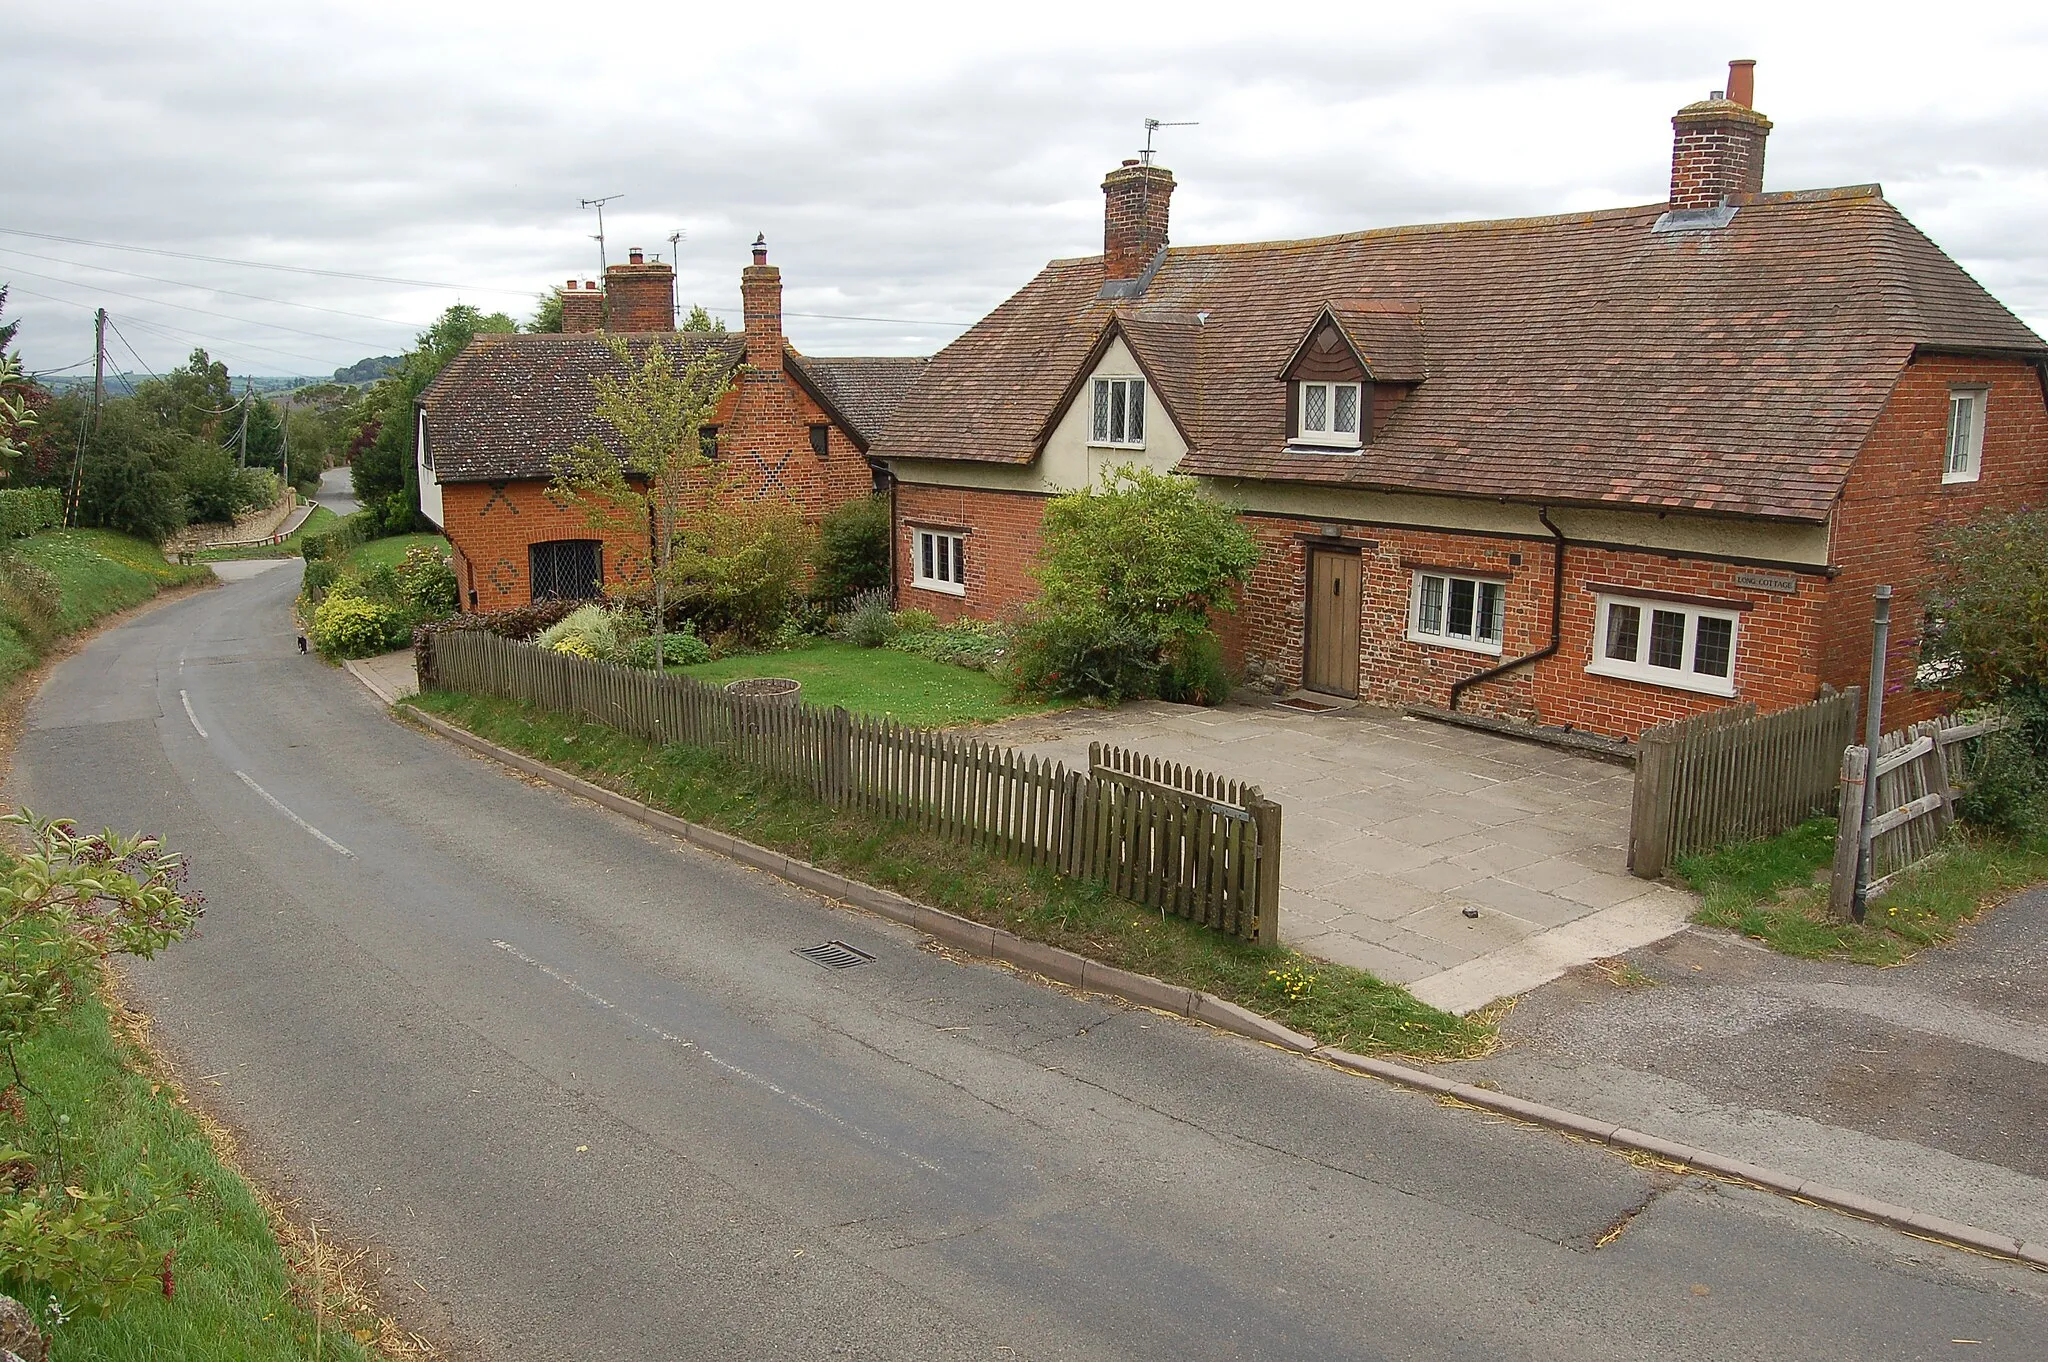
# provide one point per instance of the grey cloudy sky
(909, 163)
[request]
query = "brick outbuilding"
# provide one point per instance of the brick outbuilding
(1600, 469)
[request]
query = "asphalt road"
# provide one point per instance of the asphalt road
(568, 1077)
(337, 491)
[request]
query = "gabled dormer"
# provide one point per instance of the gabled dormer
(1353, 366)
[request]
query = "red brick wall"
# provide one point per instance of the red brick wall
(1774, 654)
(1134, 215)
(1001, 545)
(1895, 499)
(639, 297)
(491, 526)
(1717, 152)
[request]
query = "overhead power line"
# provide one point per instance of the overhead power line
(204, 312)
(211, 288)
(425, 283)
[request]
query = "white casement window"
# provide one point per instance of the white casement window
(1119, 413)
(1666, 644)
(1457, 612)
(939, 561)
(1330, 414)
(1965, 434)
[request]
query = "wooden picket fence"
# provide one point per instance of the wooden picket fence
(1920, 772)
(1732, 775)
(1170, 837)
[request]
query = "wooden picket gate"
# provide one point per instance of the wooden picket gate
(1919, 776)
(1730, 776)
(1171, 837)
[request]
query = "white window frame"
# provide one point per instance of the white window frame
(1443, 638)
(1682, 677)
(1103, 432)
(1963, 450)
(948, 572)
(1332, 439)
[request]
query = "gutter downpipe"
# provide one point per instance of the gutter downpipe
(1556, 619)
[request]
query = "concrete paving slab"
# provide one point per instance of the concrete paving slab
(1392, 824)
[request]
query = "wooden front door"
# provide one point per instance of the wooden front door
(1333, 614)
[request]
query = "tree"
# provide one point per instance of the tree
(652, 470)
(1129, 576)
(547, 317)
(700, 320)
(197, 398)
(17, 412)
(387, 471)
(853, 549)
(1987, 607)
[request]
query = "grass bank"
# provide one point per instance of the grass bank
(319, 522)
(96, 573)
(388, 552)
(1775, 891)
(880, 681)
(233, 1293)
(1338, 1005)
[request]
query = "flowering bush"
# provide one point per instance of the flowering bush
(346, 625)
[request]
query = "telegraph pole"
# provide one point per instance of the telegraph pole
(242, 436)
(92, 423)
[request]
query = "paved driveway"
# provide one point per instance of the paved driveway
(1395, 827)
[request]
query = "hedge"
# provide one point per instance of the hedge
(30, 510)
(359, 528)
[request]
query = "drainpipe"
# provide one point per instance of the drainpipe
(1556, 618)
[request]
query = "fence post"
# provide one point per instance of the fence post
(1848, 832)
(1266, 822)
(1649, 818)
(1873, 732)
(1938, 775)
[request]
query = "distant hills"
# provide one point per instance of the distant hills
(367, 370)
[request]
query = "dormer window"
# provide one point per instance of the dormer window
(1329, 414)
(1118, 413)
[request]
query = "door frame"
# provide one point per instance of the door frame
(1339, 548)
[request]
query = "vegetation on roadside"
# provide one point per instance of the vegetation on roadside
(292, 545)
(371, 599)
(57, 583)
(1775, 890)
(119, 1228)
(1340, 1006)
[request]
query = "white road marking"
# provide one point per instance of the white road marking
(193, 717)
(273, 802)
(735, 1070)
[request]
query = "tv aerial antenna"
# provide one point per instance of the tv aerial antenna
(1153, 125)
(675, 258)
(599, 204)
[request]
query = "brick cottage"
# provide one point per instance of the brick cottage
(1601, 469)
(792, 429)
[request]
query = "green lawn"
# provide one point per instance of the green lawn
(389, 552)
(97, 573)
(233, 1295)
(1775, 891)
(320, 521)
(883, 682)
(1339, 1005)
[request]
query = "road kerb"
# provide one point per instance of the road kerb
(1095, 977)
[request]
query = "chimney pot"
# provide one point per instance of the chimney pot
(1717, 95)
(1742, 82)
(572, 283)
(633, 256)
(761, 248)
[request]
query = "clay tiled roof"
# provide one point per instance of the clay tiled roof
(508, 405)
(862, 389)
(1583, 359)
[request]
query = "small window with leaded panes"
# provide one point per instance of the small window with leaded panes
(1666, 643)
(1328, 414)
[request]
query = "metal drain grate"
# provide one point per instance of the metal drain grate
(834, 955)
(1312, 706)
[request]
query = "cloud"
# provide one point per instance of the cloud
(911, 162)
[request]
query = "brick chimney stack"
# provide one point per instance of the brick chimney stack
(640, 295)
(1717, 145)
(1133, 218)
(582, 308)
(761, 299)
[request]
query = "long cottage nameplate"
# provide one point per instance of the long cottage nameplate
(1784, 583)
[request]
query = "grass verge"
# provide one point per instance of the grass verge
(98, 573)
(1774, 891)
(387, 552)
(321, 520)
(1336, 1004)
(880, 681)
(233, 1293)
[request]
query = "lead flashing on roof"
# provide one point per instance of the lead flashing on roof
(1132, 288)
(1695, 219)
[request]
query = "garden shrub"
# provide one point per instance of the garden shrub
(1129, 574)
(743, 571)
(350, 531)
(682, 649)
(588, 631)
(974, 644)
(1196, 673)
(29, 510)
(319, 578)
(426, 579)
(853, 549)
(347, 625)
(870, 625)
(520, 622)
